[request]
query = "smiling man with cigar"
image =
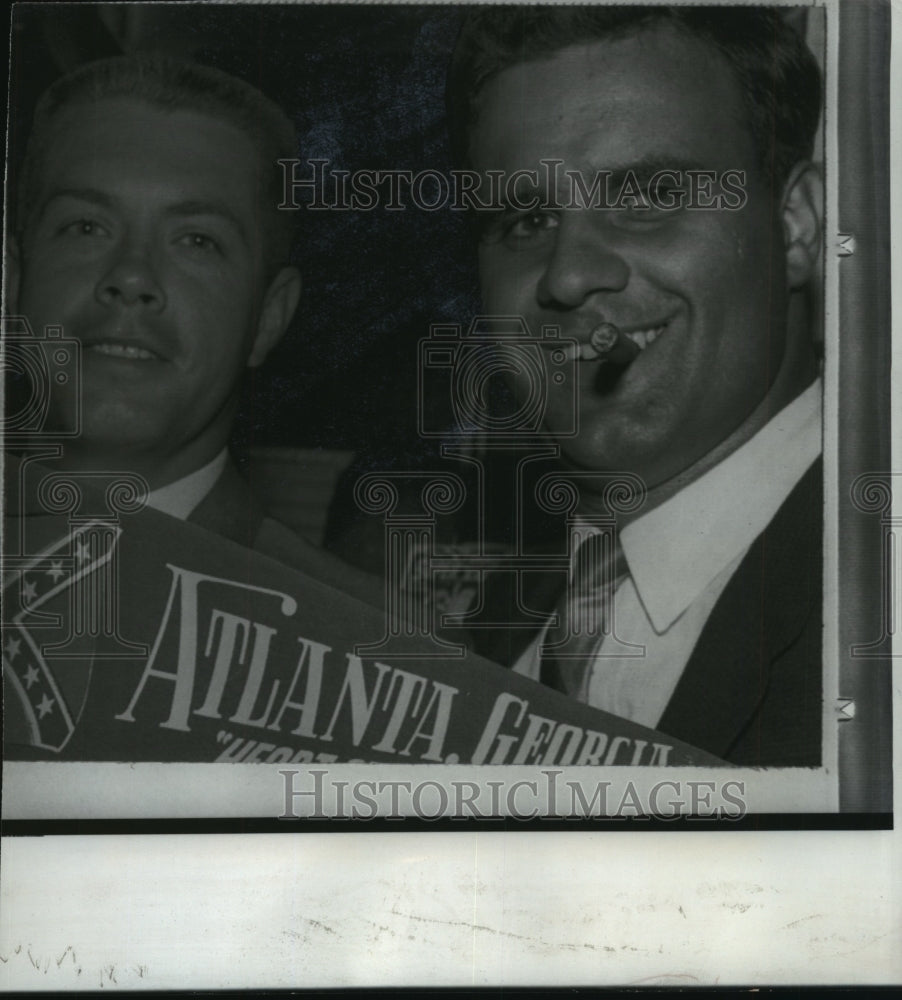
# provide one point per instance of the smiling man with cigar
(696, 366)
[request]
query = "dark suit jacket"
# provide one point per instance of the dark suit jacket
(232, 510)
(752, 690)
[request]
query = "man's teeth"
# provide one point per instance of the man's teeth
(123, 351)
(642, 338)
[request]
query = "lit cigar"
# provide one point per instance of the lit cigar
(612, 345)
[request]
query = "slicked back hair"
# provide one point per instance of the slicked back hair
(777, 75)
(171, 84)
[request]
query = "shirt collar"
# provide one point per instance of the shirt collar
(710, 524)
(180, 498)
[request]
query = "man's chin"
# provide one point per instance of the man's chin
(610, 456)
(657, 473)
(118, 440)
(120, 454)
(586, 459)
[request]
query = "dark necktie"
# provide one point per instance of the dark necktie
(585, 617)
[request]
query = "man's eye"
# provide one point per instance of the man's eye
(83, 227)
(529, 226)
(661, 207)
(667, 197)
(641, 213)
(661, 200)
(201, 242)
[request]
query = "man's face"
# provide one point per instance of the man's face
(710, 285)
(146, 245)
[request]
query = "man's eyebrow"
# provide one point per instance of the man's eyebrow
(90, 195)
(645, 169)
(190, 207)
(210, 207)
(641, 170)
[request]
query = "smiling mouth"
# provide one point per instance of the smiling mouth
(128, 352)
(606, 343)
(643, 338)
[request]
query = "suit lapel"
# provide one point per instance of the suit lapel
(762, 611)
(230, 509)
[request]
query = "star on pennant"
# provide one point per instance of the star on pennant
(56, 570)
(12, 648)
(29, 591)
(45, 707)
(31, 675)
(82, 552)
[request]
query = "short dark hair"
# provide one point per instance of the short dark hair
(171, 84)
(777, 73)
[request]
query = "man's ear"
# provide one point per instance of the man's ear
(279, 304)
(13, 275)
(802, 216)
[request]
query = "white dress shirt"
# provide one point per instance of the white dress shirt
(681, 556)
(180, 498)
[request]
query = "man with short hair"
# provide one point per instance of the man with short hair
(147, 228)
(715, 402)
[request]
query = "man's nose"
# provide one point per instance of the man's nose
(132, 280)
(585, 260)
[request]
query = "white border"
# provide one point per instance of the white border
(111, 791)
